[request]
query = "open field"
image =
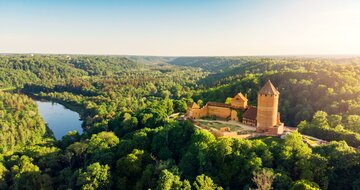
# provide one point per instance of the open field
(234, 126)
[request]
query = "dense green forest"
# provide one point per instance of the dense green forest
(130, 142)
(20, 122)
(306, 85)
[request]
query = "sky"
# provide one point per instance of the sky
(181, 28)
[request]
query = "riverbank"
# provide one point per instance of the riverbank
(76, 108)
(59, 119)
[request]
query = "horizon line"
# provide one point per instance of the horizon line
(148, 55)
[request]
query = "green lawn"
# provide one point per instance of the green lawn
(216, 125)
(7, 88)
(268, 139)
(310, 141)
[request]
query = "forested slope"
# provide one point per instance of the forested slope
(18, 70)
(306, 85)
(20, 121)
(48, 70)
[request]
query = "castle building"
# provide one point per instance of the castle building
(219, 110)
(249, 116)
(265, 117)
(268, 117)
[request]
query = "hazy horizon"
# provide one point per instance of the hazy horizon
(181, 28)
(170, 56)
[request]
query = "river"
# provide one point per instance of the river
(59, 119)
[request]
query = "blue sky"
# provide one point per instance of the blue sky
(198, 27)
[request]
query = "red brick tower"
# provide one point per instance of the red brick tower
(267, 110)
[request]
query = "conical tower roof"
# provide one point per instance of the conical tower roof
(269, 89)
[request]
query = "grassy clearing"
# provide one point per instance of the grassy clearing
(218, 126)
(310, 141)
(268, 139)
(7, 88)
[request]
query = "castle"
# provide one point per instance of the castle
(265, 117)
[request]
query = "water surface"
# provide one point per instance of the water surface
(59, 119)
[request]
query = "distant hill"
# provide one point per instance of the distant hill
(17, 70)
(151, 60)
(214, 64)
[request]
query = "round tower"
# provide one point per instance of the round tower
(267, 110)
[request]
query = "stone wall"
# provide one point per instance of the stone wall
(249, 122)
(204, 112)
(198, 113)
(234, 115)
(220, 112)
(276, 130)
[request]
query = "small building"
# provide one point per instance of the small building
(249, 116)
(239, 101)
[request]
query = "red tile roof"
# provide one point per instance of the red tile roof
(250, 113)
(219, 104)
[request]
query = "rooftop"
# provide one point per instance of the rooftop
(219, 104)
(269, 89)
(240, 95)
(193, 105)
(250, 113)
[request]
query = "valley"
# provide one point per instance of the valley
(133, 136)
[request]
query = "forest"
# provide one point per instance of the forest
(131, 142)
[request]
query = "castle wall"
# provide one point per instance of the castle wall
(209, 110)
(234, 115)
(204, 111)
(276, 130)
(193, 113)
(198, 113)
(249, 122)
(267, 111)
(218, 133)
(219, 112)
